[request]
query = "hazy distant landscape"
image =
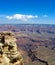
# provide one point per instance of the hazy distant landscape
(36, 42)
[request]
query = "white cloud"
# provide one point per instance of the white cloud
(21, 17)
(9, 17)
(36, 16)
(45, 16)
(29, 16)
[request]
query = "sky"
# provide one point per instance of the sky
(27, 11)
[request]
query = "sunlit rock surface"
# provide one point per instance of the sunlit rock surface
(9, 54)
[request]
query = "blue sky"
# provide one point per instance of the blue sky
(27, 11)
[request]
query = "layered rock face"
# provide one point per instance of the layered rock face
(9, 54)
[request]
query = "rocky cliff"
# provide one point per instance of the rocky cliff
(9, 54)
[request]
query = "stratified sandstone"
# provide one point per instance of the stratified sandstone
(9, 54)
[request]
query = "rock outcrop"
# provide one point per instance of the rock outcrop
(9, 54)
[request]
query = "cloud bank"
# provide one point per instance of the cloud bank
(21, 17)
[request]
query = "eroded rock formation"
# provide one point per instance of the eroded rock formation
(9, 54)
